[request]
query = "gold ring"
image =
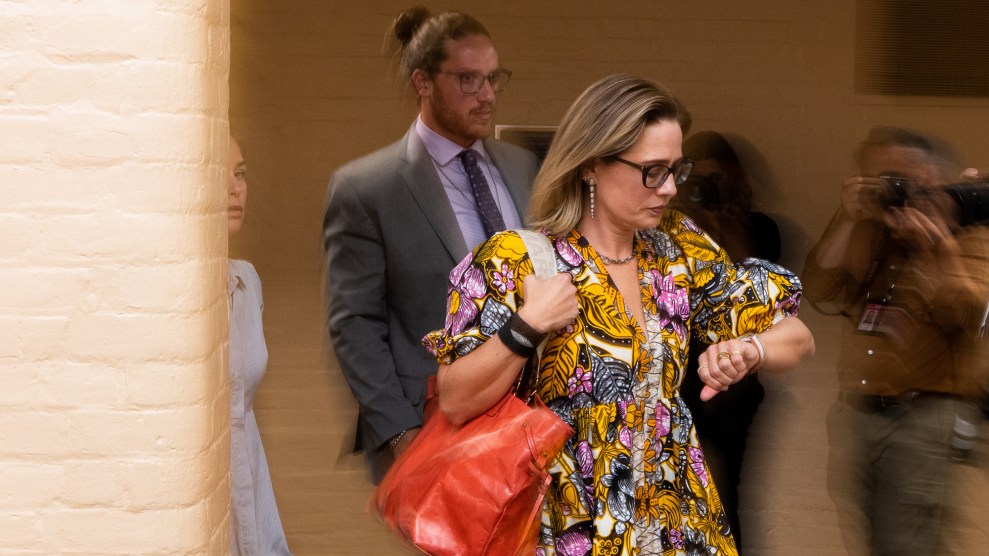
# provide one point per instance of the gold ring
(736, 352)
(701, 366)
(724, 355)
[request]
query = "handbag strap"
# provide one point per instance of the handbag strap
(543, 259)
(544, 265)
(540, 252)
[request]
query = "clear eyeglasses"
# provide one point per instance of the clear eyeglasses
(471, 82)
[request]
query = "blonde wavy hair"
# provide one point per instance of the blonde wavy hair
(606, 119)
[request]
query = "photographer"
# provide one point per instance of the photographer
(718, 198)
(904, 261)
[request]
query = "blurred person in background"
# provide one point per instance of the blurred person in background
(397, 220)
(905, 262)
(255, 528)
(718, 197)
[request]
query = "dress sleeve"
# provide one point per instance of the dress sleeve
(483, 292)
(729, 299)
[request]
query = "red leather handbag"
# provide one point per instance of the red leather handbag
(474, 489)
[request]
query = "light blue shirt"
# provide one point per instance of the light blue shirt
(255, 528)
(451, 171)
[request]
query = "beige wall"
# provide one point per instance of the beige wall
(113, 402)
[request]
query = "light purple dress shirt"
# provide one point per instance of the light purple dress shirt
(451, 171)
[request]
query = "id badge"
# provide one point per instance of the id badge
(894, 323)
(870, 317)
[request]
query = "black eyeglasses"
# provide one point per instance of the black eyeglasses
(655, 175)
(472, 81)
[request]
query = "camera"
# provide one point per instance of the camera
(900, 189)
(970, 199)
(700, 192)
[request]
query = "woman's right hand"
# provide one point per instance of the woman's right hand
(473, 383)
(550, 303)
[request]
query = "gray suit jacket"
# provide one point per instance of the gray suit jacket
(391, 239)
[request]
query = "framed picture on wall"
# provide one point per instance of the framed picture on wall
(536, 138)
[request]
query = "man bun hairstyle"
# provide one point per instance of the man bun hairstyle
(422, 37)
(407, 22)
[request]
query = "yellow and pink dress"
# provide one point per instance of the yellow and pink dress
(632, 479)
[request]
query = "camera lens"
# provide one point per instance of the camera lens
(972, 199)
(695, 193)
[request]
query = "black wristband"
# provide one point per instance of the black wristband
(522, 328)
(511, 342)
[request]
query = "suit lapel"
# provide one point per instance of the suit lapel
(515, 179)
(419, 175)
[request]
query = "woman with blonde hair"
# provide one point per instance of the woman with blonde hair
(636, 282)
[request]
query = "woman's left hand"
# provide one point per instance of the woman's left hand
(724, 364)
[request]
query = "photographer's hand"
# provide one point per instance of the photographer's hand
(974, 174)
(924, 230)
(863, 197)
(937, 254)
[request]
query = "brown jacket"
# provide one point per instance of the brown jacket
(912, 317)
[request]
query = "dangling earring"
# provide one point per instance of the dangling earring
(590, 187)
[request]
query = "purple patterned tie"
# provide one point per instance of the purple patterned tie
(490, 215)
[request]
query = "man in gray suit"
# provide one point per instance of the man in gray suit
(399, 219)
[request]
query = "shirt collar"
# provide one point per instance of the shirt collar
(442, 149)
(234, 281)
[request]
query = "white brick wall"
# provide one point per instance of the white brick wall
(113, 398)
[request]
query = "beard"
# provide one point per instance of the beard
(478, 123)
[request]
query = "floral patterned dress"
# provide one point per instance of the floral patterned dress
(632, 479)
